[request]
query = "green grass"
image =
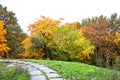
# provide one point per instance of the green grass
(79, 71)
(13, 73)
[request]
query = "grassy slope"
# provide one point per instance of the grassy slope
(79, 71)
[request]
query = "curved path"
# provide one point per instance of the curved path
(37, 71)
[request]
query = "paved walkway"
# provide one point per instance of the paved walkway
(37, 71)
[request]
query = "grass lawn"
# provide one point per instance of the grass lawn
(13, 73)
(79, 71)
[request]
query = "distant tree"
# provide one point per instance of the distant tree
(114, 23)
(88, 21)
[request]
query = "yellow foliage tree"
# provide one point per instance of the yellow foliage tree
(44, 27)
(3, 46)
(29, 53)
(40, 34)
(27, 43)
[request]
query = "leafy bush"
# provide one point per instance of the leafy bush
(13, 73)
(68, 44)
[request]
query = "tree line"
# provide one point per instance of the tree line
(95, 40)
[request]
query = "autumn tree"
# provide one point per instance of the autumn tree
(100, 34)
(40, 34)
(33, 47)
(14, 33)
(68, 44)
(3, 46)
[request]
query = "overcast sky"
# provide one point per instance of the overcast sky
(71, 10)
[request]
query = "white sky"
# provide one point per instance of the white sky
(72, 10)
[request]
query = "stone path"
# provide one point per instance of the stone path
(37, 71)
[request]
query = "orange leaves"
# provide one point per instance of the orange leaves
(3, 46)
(75, 24)
(44, 27)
